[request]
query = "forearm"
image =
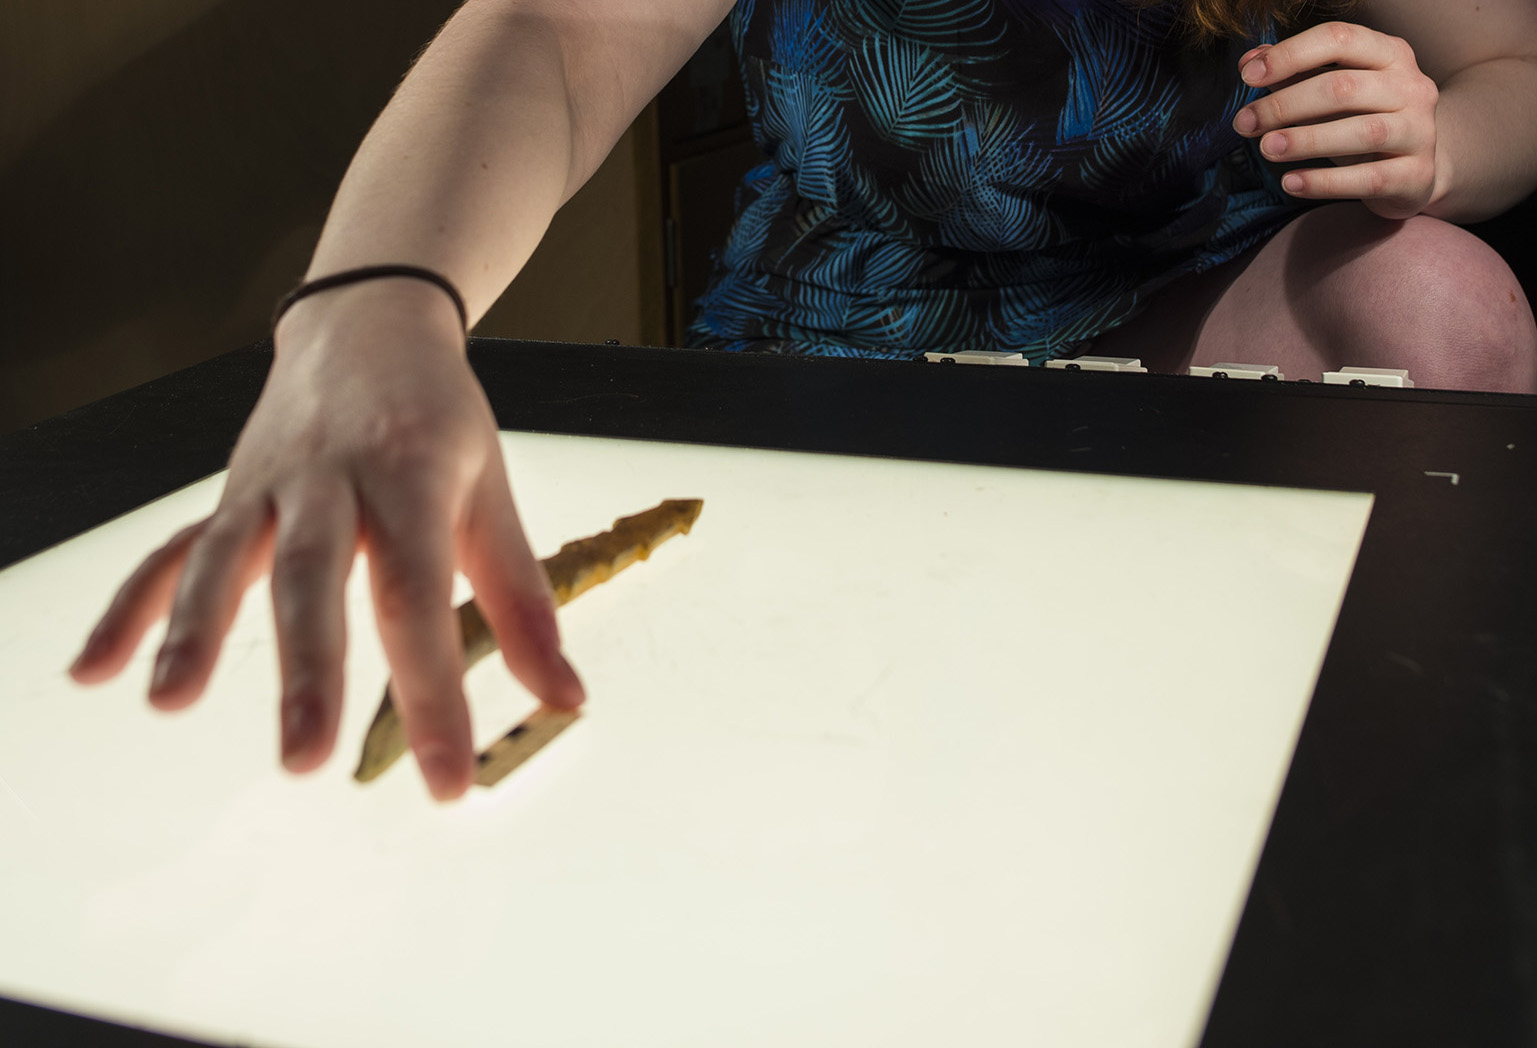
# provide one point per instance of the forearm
(1486, 141)
(483, 110)
(503, 118)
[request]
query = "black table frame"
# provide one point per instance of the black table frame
(1396, 899)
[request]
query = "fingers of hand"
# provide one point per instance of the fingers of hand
(224, 559)
(1358, 136)
(410, 563)
(1375, 115)
(514, 595)
(1336, 93)
(1333, 43)
(1396, 188)
(138, 604)
(311, 559)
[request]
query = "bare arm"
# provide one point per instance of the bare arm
(505, 116)
(371, 433)
(1482, 54)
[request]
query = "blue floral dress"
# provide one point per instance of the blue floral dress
(977, 174)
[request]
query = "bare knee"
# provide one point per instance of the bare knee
(1421, 294)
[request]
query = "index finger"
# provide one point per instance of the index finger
(1333, 43)
(138, 604)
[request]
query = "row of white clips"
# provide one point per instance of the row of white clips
(1254, 372)
(1000, 356)
(1396, 377)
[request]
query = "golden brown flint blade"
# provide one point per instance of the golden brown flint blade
(579, 566)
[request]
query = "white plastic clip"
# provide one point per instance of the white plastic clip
(1368, 377)
(1260, 372)
(979, 356)
(1098, 364)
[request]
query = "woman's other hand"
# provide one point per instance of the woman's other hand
(1353, 96)
(370, 435)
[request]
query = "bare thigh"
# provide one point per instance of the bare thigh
(1340, 286)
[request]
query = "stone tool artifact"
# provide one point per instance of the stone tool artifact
(575, 569)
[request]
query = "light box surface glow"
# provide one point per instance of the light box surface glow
(885, 752)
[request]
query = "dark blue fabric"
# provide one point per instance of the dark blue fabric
(977, 174)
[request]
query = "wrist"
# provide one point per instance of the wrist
(1441, 186)
(378, 271)
(364, 311)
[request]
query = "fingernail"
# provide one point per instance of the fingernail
(576, 691)
(166, 669)
(1254, 72)
(1245, 122)
(442, 774)
(1292, 183)
(90, 651)
(298, 725)
(1274, 145)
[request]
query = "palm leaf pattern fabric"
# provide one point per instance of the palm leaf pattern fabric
(977, 174)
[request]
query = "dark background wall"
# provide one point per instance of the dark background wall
(165, 166)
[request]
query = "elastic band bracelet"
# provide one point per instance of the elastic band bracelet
(357, 276)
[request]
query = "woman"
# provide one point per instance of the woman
(1068, 201)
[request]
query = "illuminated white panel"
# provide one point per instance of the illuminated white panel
(883, 753)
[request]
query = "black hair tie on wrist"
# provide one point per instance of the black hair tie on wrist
(357, 276)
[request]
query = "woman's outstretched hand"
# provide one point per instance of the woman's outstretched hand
(370, 435)
(1356, 97)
